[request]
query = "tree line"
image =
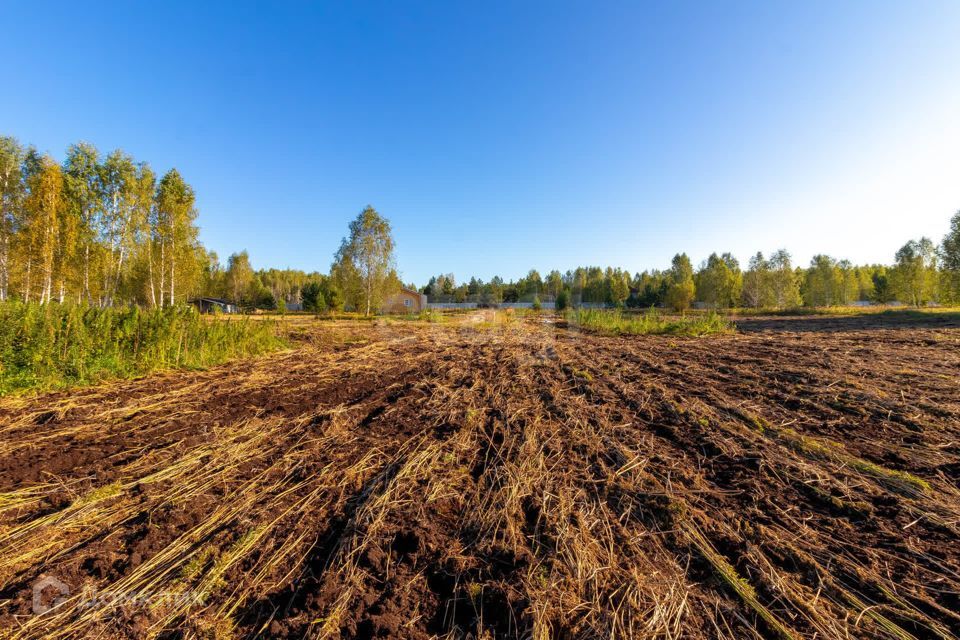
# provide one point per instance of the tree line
(98, 229)
(105, 230)
(921, 273)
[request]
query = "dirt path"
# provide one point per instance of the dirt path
(503, 480)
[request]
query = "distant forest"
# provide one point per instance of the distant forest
(921, 273)
(106, 230)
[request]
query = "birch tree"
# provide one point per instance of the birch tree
(363, 266)
(83, 195)
(681, 290)
(175, 221)
(118, 180)
(915, 273)
(44, 207)
(11, 200)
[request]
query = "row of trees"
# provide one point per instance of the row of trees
(96, 229)
(105, 230)
(362, 276)
(922, 272)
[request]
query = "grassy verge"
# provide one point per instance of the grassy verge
(53, 346)
(906, 312)
(648, 323)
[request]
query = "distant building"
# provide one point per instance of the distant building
(405, 301)
(210, 305)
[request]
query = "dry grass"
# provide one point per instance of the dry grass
(495, 476)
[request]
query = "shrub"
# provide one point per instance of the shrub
(563, 300)
(430, 315)
(53, 345)
(618, 323)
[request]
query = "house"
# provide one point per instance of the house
(405, 301)
(211, 305)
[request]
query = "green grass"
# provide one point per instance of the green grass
(651, 322)
(55, 346)
(825, 449)
(430, 315)
(893, 312)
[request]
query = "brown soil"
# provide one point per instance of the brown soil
(507, 479)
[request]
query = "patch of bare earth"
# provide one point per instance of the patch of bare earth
(504, 480)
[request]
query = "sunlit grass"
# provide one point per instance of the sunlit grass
(613, 322)
(53, 346)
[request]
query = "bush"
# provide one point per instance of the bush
(53, 345)
(563, 300)
(617, 323)
(430, 315)
(536, 303)
(311, 294)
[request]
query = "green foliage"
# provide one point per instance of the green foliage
(681, 288)
(98, 229)
(615, 322)
(53, 345)
(651, 289)
(950, 260)
(312, 297)
(914, 278)
(241, 287)
(619, 284)
(364, 265)
(536, 303)
(430, 315)
(830, 283)
(719, 281)
(882, 289)
(563, 300)
(770, 283)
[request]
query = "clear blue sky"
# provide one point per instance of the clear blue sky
(497, 137)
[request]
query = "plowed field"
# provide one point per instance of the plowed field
(501, 479)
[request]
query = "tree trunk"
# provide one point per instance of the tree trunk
(26, 290)
(47, 285)
(153, 295)
(369, 292)
(4, 270)
(163, 270)
(86, 270)
(116, 276)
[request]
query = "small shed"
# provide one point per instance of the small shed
(211, 305)
(405, 301)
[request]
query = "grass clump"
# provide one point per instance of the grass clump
(430, 315)
(824, 449)
(616, 322)
(54, 346)
(738, 584)
(100, 494)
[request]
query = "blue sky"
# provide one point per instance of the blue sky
(497, 137)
